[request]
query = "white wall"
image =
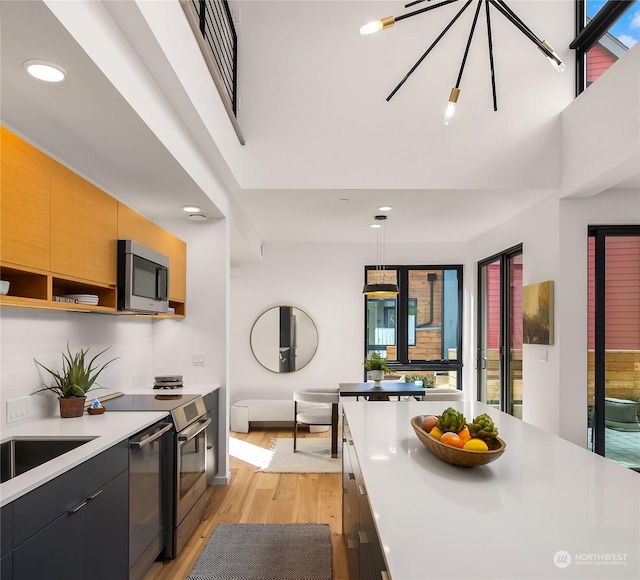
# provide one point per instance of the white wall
(28, 334)
(554, 238)
(324, 280)
(537, 229)
(205, 327)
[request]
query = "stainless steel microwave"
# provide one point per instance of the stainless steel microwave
(143, 279)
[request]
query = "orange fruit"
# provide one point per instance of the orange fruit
(475, 444)
(435, 433)
(464, 434)
(453, 439)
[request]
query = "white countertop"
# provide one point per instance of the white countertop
(108, 429)
(507, 519)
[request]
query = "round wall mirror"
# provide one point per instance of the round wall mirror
(284, 339)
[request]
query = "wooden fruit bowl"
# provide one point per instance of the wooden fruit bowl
(454, 455)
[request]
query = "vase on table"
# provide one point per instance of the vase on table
(377, 376)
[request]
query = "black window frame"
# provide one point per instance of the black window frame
(403, 364)
(589, 34)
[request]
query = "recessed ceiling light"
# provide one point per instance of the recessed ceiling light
(375, 226)
(45, 71)
(385, 208)
(190, 208)
(197, 217)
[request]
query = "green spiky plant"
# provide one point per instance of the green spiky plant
(76, 377)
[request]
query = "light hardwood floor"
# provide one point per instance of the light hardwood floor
(256, 497)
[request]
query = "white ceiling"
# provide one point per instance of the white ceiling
(317, 125)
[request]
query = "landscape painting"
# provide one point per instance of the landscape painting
(537, 310)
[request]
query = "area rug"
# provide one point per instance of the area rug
(313, 456)
(266, 552)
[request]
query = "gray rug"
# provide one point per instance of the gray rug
(266, 552)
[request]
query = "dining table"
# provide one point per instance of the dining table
(386, 389)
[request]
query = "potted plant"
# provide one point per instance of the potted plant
(376, 366)
(72, 383)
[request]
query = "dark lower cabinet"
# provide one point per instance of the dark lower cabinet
(76, 525)
(364, 552)
(6, 541)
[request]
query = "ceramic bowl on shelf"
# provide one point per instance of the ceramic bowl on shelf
(455, 455)
(4, 287)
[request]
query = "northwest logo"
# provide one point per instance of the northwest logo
(562, 559)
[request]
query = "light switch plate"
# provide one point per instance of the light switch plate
(18, 409)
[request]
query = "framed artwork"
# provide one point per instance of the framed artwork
(537, 313)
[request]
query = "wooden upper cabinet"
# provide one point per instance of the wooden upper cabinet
(176, 249)
(84, 228)
(133, 226)
(25, 203)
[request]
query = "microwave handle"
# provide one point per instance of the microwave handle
(162, 278)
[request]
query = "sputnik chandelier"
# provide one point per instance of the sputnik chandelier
(498, 5)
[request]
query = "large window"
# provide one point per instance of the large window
(606, 30)
(418, 332)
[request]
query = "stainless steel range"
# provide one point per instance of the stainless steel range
(185, 478)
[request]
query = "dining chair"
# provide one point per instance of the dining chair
(323, 411)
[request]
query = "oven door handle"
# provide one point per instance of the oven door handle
(148, 440)
(192, 432)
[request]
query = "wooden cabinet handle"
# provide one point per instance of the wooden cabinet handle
(363, 537)
(363, 491)
(350, 544)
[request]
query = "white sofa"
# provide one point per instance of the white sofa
(261, 411)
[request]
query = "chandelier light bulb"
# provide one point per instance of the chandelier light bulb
(555, 60)
(381, 24)
(451, 106)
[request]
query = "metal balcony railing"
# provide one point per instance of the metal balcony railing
(212, 23)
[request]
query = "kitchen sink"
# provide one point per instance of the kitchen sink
(18, 456)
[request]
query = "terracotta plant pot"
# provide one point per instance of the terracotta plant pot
(72, 407)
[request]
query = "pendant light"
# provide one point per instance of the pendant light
(380, 288)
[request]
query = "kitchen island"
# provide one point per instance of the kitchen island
(546, 509)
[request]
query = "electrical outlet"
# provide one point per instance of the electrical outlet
(18, 409)
(197, 358)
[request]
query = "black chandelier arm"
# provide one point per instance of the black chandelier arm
(524, 29)
(415, 66)
(493, 74)
(466, 50)
(414, 3)
(426, 9)
(516, 17)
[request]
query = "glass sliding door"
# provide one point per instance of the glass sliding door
(613, 389)
(499, 356)
(489, 334)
